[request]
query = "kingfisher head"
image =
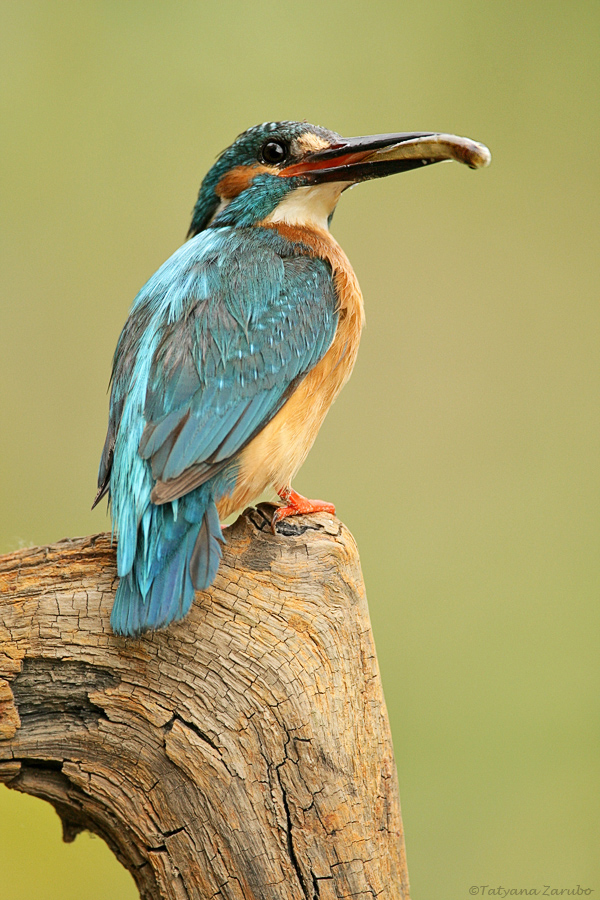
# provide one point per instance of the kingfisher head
(295, 173)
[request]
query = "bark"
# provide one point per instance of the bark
(242, 753)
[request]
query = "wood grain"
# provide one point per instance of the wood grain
(242, 753)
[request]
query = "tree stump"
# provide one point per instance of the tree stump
(243, 753)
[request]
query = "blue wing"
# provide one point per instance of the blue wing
(259, 322)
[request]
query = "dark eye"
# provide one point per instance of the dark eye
(274, 151)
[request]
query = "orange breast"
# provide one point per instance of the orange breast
(274, 456)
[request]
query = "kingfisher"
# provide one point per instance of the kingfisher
(234, 351)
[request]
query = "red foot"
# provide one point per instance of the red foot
(298, 506)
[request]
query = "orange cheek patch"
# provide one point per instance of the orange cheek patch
(237, 180)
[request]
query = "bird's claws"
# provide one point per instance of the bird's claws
(297, 505)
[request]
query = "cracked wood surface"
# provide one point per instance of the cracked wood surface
(242, 753)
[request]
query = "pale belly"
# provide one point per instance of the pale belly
(275, 455)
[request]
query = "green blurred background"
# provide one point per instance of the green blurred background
(463, 453)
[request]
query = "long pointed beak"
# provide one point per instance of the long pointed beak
(359, 159)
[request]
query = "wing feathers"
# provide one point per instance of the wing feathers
(246, 315)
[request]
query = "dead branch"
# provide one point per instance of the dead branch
(243, 753)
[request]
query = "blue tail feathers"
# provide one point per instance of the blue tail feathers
(177, 553)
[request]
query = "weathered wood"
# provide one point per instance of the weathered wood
(242, 753)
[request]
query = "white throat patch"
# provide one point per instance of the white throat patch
(309, 205)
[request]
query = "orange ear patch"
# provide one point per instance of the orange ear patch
(237, 180)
